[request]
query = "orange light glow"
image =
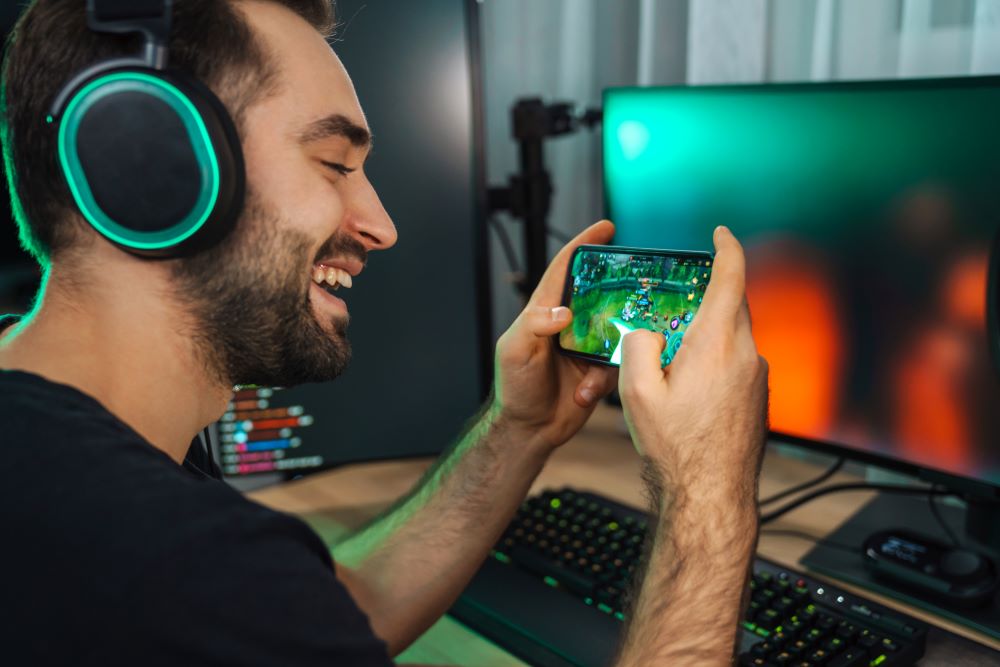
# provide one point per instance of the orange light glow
(796, 328)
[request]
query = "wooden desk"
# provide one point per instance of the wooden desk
(601, 459)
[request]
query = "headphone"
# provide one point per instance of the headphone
(150, 154)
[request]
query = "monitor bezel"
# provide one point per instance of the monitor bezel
(953, 480)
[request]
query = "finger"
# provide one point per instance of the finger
(543, 321)
(595, 385)
(550, 290)
(725, 296)
(641, 367)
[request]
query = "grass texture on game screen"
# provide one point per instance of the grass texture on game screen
(614, 293)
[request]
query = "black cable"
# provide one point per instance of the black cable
(837, 488)
(812, 538)
(837, 465)
(506, 244)
(936, 511)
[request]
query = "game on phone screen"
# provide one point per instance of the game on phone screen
(614, 292)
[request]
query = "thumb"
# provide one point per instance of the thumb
(595, 385)
(641, 350)
(543, 321)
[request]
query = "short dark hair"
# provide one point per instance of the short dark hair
(51, 42)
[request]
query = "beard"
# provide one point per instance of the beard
(249, 299)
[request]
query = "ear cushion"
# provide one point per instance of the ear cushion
(153, 161)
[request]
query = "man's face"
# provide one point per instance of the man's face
(267, 299)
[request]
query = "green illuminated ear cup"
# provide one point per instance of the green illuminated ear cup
(153, 162)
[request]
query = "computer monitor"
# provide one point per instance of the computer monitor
(419, 327)
(869, 213)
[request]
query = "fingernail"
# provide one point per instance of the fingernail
(588, 394)
(560, 314)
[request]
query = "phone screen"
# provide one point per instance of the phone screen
(613, 291)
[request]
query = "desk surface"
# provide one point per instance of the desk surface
(601, 459)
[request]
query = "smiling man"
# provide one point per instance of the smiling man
(122, 546)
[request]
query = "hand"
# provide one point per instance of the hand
(544, 395)
(702, 421)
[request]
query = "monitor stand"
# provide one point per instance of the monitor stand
(913, 514)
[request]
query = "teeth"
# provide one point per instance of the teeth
(334, 277)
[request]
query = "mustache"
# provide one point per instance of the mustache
(343, 245)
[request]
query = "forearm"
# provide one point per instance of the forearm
(406, 568)
(692, 596)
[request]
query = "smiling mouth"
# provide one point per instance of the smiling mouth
(331, 278)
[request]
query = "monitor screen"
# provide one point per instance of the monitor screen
(417, 328)
(868, 212)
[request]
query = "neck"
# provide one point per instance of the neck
(127, 348)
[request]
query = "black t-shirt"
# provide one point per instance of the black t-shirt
(112, 554)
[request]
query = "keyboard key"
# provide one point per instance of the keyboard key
(889, 646)
(847, 630)
(852, 658)
(782, 658)
(826, 623)
(784, 604)
(798, 647)
(834, 645)
(819, 657)
(870, 641)
(768, 619)
(535, 562)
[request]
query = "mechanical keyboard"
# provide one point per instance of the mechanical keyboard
(555, 593)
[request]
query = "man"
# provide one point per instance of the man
(121, 551)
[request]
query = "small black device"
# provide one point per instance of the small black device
(615, 290)
(150, 154)
(554, 588)
(947, 573)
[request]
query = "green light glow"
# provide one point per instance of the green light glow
(200, 140)
(555, 503)
(633, 137)
(551, 582)
(679, 161)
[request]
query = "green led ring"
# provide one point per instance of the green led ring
(201, 142)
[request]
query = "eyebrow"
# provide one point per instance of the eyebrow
(337, 125)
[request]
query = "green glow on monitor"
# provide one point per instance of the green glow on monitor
(868, 212)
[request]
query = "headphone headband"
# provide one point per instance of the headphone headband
(151, 18)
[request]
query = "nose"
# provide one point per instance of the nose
(369, 221)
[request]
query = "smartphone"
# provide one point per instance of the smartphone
(613, 290)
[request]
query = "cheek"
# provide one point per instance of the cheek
(289, 183)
